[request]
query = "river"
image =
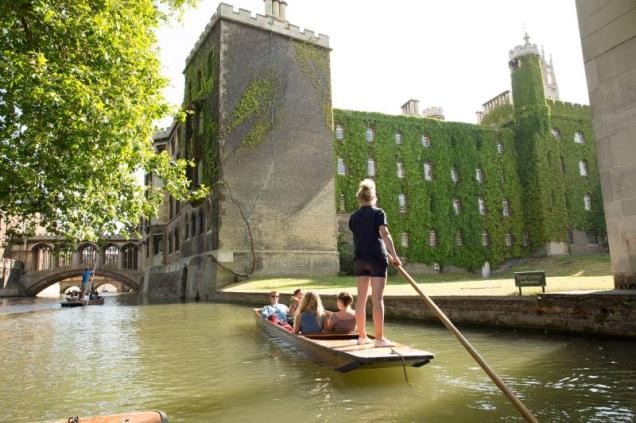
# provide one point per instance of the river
(205, 362)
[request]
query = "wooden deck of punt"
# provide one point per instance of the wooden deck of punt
(341, 352)
(134, 417)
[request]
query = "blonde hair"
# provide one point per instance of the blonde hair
(311, 302)
(366, 192)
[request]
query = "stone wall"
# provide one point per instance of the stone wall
(606, 314)
(608, 38)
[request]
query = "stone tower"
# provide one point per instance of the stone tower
(260, 130)
(544, 200)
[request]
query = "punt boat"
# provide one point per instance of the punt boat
(134, 417)
(341, 352)
(75, 302)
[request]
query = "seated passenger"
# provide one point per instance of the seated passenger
(293, 304)
(344, 320)
(310, 315)
(274, 307)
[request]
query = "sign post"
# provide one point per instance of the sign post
(534, 278)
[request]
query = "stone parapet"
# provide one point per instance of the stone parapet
(267, 23)
(611, 313)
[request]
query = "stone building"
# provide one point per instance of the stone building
(283, 167)
(608, 37)
(258, 129)
(523, 181)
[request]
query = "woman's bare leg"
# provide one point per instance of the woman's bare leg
(361, 304)
(377, 297)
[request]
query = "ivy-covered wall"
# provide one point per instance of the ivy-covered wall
(567, 119)
(429, 204)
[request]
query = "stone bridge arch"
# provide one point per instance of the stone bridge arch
(36, 282)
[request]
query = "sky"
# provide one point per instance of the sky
(450, 53)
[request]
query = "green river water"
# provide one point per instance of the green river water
(207, 362)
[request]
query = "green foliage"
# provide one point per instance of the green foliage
(499, 116)
(255, 106)
(314, 63)
(81, 87)
(429, 203)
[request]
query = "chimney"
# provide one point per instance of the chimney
(276, 8)
(411, 108)
(283, 10)
(268, 7)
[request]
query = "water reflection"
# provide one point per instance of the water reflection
(208, 362)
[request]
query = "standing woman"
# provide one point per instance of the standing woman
(373, 249)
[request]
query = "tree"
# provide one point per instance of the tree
(80, 87)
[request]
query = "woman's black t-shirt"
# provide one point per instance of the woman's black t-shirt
(368, 244)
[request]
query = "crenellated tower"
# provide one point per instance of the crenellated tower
(539, 152)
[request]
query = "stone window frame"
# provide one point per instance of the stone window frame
(579, 138)
(400, 170)
(485, 238)
(404, 239)
(369, 135)
(340, 132)
(457, 206)
(402, 203)
(428, 171)
(481, 205)
(508, 240)
(587, 202)
(371, 167)
(432, 238)
(454, 174)
(341, 167)
(505, 207)
(398, 138)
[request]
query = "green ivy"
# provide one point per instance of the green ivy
(314, 63)
(429, 203)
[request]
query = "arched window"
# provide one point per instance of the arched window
(42, 258)
(64, 255)
(187, 226)
(201, 221)
(88, 255)
(177, 238)
(193, 224)
(129, 257)
(111, 257)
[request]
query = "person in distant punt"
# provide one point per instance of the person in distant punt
(310, 316)
(86, 277)
(274, 307)
(294, 302)
(344, 320)
(373, 249)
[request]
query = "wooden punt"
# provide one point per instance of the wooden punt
(341, 352)
(75, 302)
(134, 417)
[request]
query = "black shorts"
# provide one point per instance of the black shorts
(373, 269)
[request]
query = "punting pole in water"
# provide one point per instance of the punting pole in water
(473, 352)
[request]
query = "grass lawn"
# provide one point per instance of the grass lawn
(564, 273)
